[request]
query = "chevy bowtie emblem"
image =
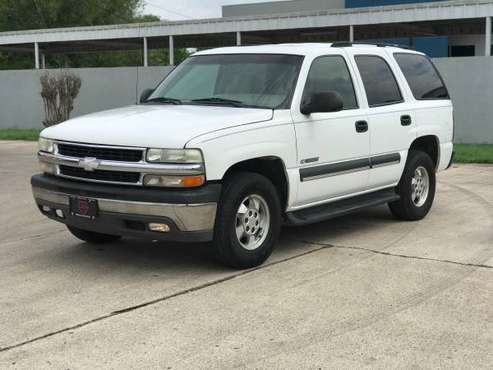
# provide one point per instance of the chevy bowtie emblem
(89, 164)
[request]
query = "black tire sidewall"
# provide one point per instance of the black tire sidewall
(237, 188)
(408, 209)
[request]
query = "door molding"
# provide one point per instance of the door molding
(345, 167)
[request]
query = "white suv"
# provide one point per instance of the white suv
(237, 141)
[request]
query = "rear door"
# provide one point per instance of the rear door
(391, 116)
(333, 148)
(434, 114)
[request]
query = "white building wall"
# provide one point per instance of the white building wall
(464, 40)
(469, 81)
(21, 105)
(280, 7)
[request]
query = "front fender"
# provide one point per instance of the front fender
(225, 148)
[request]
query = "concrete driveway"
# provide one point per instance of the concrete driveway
(360, 291)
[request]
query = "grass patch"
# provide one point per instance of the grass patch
(30, 134)
(473, 153)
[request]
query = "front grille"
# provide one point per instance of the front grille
(100, 175)
(110, 154)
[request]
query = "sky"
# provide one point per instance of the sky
(189, 9)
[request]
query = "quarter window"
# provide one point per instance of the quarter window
(422, 77)
(330, 73)
(380, 84)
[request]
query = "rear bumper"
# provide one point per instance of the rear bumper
(127, 211)
(446, 156)
(451, 160)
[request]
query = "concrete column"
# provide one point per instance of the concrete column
(487, 42)
(238, 38)
(144, 52)
(36, 55)
(351, 33)
(43, 61)
(171, 51)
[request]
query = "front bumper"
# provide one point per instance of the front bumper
(127, 211)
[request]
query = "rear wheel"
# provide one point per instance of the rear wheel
(248, 220)
(416, 188)
(92, 237)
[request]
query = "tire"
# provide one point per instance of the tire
(92, 237)
(250, 202)
(418, 178)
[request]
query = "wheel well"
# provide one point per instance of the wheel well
(271, 167)
(428, 144)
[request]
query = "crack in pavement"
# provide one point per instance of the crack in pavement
(321, 246)
(159, 300)
(383, 253)
(32, 237)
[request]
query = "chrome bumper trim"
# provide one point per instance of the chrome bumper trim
(187, 217)
(140, 167)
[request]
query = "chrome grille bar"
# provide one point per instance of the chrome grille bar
(140, 167)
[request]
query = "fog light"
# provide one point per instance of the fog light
(160, 228)
(47, 168)
(59, 213)
(174, 181)
(46, 209)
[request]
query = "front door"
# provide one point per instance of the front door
(333, 148)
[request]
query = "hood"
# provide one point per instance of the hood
(157, 126)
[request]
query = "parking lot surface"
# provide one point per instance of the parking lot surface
(360, 291)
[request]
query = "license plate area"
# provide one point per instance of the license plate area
(83, 207)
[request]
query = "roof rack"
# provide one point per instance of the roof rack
(346, 44)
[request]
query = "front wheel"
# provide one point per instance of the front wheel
(416, 188)
(248, 221)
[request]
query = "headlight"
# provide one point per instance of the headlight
(46, 145)
(175, 156)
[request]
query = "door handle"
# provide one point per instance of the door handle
(361, 126)
(406, 120)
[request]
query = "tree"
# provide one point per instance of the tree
(36, 14)
(18, 15)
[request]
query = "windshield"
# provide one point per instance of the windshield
(237, 80)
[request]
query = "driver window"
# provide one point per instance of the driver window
(330, 73)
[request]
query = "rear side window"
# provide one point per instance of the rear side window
(422, 76)
(380, 84)
(330, 73)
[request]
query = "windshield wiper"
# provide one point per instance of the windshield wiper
(164, 100)
(215, 100)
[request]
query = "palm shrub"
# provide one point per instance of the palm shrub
(59, 92)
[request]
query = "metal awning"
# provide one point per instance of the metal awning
(418, 12)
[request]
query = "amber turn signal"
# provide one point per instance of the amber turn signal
(174, 181)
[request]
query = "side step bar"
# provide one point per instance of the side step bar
(340, 207)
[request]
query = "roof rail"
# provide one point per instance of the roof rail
(346, 44)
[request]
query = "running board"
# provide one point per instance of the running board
(340, 207)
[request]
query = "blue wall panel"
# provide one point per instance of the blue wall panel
(366, 3)
(402, 41)
(434, 47)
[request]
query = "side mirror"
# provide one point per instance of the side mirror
(322, 103)
(145, 94)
